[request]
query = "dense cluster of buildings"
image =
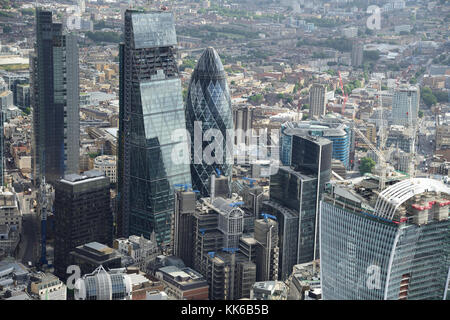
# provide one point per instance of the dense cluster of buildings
(247, 174)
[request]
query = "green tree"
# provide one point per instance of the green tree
(366, 165)
(420, 113)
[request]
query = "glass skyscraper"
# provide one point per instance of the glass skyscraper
(293, 202)
(340, 134)
(209, 104)
(151, 110)
(405, 105)
(54, 100)
(391, 246)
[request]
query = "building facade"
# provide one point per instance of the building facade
(83, 214)
(151, 112)
(405, 105)
(393, 246)
(208, 109)
(340, 134)
(317, 101)
(54, 99)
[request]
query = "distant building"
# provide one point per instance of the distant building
(405, 105)
(351, 32)
(357, 54)
(317, 101)
(400, 137)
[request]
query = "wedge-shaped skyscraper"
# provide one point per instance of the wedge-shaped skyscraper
(151, 114)
(208, 117)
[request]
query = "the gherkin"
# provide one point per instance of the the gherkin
(209, 104)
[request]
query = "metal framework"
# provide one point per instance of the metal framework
(391, 198)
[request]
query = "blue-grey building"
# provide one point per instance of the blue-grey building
(340, 134)
(151, 111)
(54, 98)
(392, 245)
(208, 106)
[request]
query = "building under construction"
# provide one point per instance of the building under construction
(388, 244)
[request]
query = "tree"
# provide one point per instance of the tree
(366, 165)
(428, 97)
(420, 113)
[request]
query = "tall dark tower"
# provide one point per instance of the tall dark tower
(54, 100)
(151, 111)
(209, 104)
(82, 214)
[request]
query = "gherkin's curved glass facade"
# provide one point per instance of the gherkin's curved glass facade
(208, 102)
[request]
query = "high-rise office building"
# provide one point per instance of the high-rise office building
(183, 226)
(83, 214)
(267, 250)
(391, 245)
(208, 109)
(357, 53)
(317, 100)
(295, 194)
(54, 100)
(339, 133)
(405, 105)
(151, 112)
(292, 193)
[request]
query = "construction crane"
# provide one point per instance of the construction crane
(343, 93)
(43, 203)
(412, 127)
(381, 159)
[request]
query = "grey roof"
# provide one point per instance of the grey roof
(153, 29)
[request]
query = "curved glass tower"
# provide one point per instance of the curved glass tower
(394, 246)
(208, 107)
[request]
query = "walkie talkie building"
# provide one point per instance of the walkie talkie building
(208, 106)
(391, 246)
(151, 111)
